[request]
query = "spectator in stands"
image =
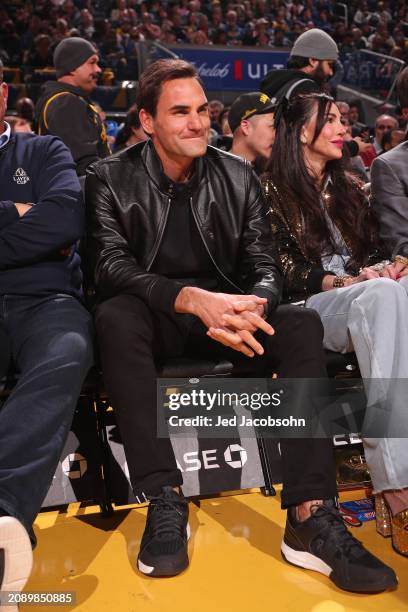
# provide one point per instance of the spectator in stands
(391, 139)
(41, 56)
(206, 293)
(354, 113)
(358, 41)
(215, 108)
(44, 330)
(61, 30)
(223, 120)
(65, 110)
(223, 141)
(232, 31)
(279, 39)
(11, 42)
(383, 124)
(25, 109)
(308, 71)
(327, 239)
(132, 132)
(251, 122)
(310, 65)
(344, 110)
(86, 24)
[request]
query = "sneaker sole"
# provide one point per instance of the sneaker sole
(305, 560)
(165, 571)
(308, 561)
(17, 556)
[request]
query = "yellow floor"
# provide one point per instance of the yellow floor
(235, 563)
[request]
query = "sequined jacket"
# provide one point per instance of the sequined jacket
(302, 276)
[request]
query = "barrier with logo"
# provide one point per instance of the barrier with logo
(207, 465)
(78, 476)
(231, 69)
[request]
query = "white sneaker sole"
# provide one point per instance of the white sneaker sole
(18, 557)
(148, 569)
(305, 560)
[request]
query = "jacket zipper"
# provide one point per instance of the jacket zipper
(208, 250)
(158, 243)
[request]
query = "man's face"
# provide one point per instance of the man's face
(354, 115)
(260, 134)
(215, 109)
(384, 124)
(86, 75)
(323, 70)
(179, 129)
(3, 104)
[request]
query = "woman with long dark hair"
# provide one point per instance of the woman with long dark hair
(330, 253)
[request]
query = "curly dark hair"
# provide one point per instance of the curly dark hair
(348, 206)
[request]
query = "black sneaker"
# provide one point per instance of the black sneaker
(16, 555)
(163, 550)
(322, 543)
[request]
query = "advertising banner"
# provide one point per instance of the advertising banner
(232, 69)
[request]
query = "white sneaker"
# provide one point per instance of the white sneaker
(16, 557)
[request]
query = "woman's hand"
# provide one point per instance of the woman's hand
(393, 270)
(364, 275)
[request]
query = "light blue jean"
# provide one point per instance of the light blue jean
(371, 318)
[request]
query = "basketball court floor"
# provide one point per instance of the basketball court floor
(235, 563)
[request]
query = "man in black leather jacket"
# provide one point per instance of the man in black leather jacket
(185, 266)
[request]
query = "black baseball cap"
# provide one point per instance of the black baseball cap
(248, 105)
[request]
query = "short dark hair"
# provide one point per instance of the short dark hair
(402, 88)
(152, 79)
(295, 62)
(1, 71)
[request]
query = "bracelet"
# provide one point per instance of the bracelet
(338, 281)
(401, 259)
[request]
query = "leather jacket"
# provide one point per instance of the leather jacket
(128, 197)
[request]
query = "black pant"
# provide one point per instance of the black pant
(132, 338)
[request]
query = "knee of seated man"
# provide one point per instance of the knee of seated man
(76, 347)
(299, 319)
(110, 315)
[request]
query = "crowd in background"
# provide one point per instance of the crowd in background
(386, 133)
(30, 31)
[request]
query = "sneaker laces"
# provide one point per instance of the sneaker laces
(336, 528)
(165, 516)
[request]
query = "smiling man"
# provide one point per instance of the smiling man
(185, 265)
(65, 109)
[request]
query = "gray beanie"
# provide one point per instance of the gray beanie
(316, 44)
(71, 53)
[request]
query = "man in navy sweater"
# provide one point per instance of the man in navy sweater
(45, 332)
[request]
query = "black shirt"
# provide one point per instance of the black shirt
(182, 254)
